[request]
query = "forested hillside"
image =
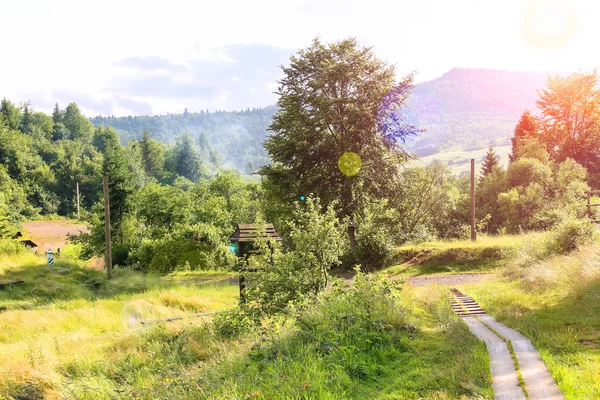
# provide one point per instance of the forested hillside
(237, 135)
(464, 107)
(471, 108)
(43, 158)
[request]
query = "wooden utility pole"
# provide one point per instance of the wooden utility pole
(78, 215)
(473, 233)
(108, 255)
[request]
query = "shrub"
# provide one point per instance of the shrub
(570, 234)
(234, 323)
(10, 247)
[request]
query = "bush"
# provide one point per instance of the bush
(234, 323)
(570, 234)
(11, 247)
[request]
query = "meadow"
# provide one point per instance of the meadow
(67, 331)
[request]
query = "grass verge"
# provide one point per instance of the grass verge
(555, 302)
(458, 256)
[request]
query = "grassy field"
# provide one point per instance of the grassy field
(458, 256)
(556, 303)
(460, 160)
(64, 323)
(68, 332)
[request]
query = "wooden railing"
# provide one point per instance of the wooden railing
(590, 205)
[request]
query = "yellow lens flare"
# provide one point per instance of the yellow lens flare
(549, 24)
(350, 163)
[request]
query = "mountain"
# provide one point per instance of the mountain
(465, 108)
(471, 108)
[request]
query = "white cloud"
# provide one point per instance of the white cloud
(73, 46)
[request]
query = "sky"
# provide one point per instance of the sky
(140, 57)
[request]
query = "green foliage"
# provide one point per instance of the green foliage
(76, 124)
(527, 171)
(316, 245)
(334, 99)
(430, 201)
(490, 162)
(488, 190)
(231, 139)
(527, 128)
(153, 158)
(375, 237)
(570, 120)
(570, 234)
(10, 114)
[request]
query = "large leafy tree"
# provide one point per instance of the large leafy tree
(570, 121)
(337, 98)
(10, 113)
(76, 124)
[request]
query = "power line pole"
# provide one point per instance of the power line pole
(78, 215)
(473, 233)
(108, 255)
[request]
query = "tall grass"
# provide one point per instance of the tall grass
(63, 329)
(553, 299)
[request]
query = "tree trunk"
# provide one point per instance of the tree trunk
(352, 235)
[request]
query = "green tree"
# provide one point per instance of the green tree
(11, 114)
(188, 162)
(336, 99)
(26, 118)
(120, 185)
(43, 124)
(153, 157)
(527, 127)
(490, 162)
(570, 121)
(76, 124)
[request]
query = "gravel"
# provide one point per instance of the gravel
(446, 279)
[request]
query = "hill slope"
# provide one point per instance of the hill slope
(471, 108)
(464, 108)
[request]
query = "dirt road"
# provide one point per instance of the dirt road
(51, 234)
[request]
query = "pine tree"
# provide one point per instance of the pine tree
(26, 119)
(527, 127)
(153, 158)
(490, 162)
(120, 184)
(57, 114)
(188, 161)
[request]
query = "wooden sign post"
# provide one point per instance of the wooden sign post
(473, 233)
(108, 255)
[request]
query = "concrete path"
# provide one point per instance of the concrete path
(538, 381)
(505, 380)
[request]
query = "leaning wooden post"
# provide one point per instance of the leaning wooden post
(108, 255)
(473, 233)
(78, 215)
(589, 207)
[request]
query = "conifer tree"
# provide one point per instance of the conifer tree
(490, 161)
(153, 158)
(26, 119)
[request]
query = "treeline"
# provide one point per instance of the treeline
(43, 158)
(236, 135)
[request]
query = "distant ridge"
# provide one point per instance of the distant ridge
(464, 108)
(471, 107)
